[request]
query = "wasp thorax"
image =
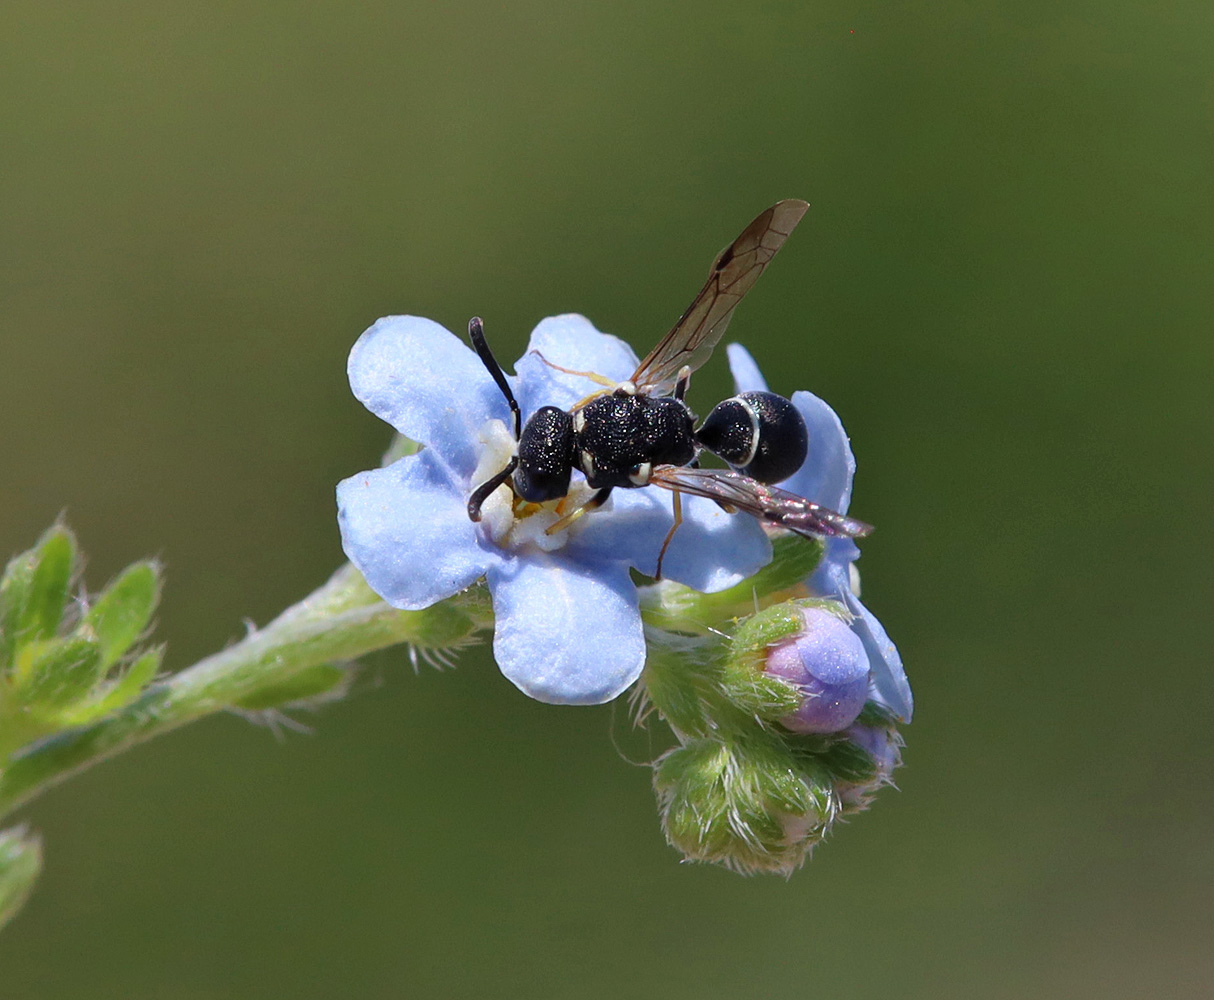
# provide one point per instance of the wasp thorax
(759, 434)
(619, 435)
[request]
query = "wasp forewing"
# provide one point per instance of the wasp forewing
(735, 271)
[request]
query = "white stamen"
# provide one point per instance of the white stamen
(510, 522)
(497, 448)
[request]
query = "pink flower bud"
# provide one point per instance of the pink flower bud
(827, 663)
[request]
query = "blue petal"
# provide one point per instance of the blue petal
(826, 476)
(566, 634)
(712, 550)
(837, 556)
(891, 688)
(746, 374)
(427, 384)
(889, 677)
(572, 342)
(406, 528)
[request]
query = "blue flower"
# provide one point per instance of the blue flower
(826, 478)
(568, 629)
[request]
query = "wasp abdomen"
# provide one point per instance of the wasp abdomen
(759, 434)
(545, 455)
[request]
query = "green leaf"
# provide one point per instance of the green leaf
(676, 608)
(307, 685)
(55, 673)
(14, 597)
(119, 693)
(34, 591)
(20, 863)
(122, 613)
(56, 561)
(794, 559)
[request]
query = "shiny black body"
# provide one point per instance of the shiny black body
(623, 435)
(546, 453)
(617, 439)
(759, 434)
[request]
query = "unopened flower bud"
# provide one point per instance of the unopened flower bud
(826, 662)
(884, 746)
(748, 805)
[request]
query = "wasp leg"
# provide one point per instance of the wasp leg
(677, 500)
(680, 387)
(476, 334)
(593, 376)
(481, 493)
(594, 503)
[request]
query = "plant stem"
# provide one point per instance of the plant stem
(340, 621)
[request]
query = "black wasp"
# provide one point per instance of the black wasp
(641, 432)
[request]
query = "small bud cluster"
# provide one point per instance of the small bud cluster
(65, 661)
(777, 734)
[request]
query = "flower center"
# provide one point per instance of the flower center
(513, 523)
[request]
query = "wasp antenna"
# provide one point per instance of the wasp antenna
(476, 334)
(481, 493)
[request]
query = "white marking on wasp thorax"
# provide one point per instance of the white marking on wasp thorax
(628, 388)
(586, 460)
(579, 421)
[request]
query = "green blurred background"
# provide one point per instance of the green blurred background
(1003, 286)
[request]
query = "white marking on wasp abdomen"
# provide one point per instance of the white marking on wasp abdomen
(753, 414)
(641, 474)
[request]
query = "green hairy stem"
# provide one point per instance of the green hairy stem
(276, 665)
